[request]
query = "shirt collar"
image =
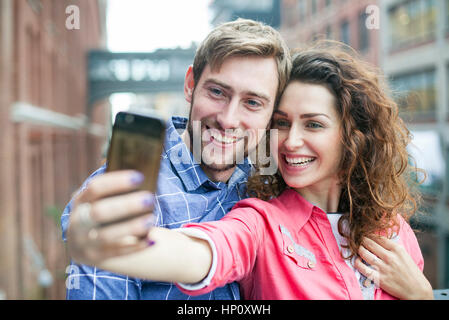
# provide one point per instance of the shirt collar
(293, 201)
(185, 165)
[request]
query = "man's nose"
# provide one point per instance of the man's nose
(229, 117)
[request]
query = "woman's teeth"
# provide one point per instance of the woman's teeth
(298, 161)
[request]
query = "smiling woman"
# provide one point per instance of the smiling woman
(309, 137)
(357, 140)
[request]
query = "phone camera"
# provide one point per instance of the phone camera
(129, 118)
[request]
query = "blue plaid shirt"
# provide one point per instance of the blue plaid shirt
(185, 194)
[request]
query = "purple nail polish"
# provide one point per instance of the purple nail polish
(151, 243)
(148, 200)
(137, 178)
(149, 222)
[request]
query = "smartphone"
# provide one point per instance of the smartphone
(136, 143)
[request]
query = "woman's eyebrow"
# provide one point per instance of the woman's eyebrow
(311, 115)
(282, 113)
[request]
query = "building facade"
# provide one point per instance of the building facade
(352, 22)
(49, 144)
(415, 57)
(267, 11)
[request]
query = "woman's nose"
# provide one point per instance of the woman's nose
(295, 139)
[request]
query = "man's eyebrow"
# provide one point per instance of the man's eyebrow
(227, 87)
(258, 95)
(219, 83)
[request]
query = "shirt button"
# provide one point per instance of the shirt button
(311, 264)
(290, 249)
(367, 283)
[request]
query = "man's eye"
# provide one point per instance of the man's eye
(254, 103)
(216, 91)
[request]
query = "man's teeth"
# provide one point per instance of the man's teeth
(298, 161)
(223, 139)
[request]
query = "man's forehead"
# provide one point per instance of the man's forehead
(224, 74)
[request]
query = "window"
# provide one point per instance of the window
(329, 32)
(416, 93)
(344, 32)
(412, 22)
(314, 7)
(302, 7)
(427, 154)
(447, 17)
(363, 32)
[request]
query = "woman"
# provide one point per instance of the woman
(341, 194)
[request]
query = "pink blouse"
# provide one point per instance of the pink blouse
(285, 249)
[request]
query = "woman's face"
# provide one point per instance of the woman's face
(309, 137)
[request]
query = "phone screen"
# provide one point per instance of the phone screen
(137, 143)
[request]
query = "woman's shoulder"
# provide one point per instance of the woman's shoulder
(265, 206)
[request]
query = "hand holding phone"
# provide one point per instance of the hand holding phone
(119, 206)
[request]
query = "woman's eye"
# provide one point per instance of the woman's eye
(314, 125)
(281, 123)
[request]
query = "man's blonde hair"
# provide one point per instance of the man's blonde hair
(243, 37)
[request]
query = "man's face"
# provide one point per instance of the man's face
(229, 107)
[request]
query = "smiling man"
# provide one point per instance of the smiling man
(230, 105)
(238, 74)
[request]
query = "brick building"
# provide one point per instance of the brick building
(303, 21)
(49, 143)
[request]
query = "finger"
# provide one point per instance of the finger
(370, 273)
(109, 184)
(362, 268)
(375, 248)
(384, 242)
(369, 257)
(122, 234)
(116, 208)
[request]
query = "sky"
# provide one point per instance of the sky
(145, 25)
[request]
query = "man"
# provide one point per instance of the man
(239, 72)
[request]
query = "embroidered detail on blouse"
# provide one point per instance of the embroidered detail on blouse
(301, 251)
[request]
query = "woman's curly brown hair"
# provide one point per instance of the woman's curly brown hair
(377, 179)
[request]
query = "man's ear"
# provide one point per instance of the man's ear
(189, 84)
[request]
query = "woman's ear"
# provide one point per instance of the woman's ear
(189, 84)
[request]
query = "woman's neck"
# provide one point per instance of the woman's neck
(326, 197)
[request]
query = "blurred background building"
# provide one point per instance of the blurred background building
(56, 111)
(415, 56)
(48, 145)
(304, 21)
(267, 11)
